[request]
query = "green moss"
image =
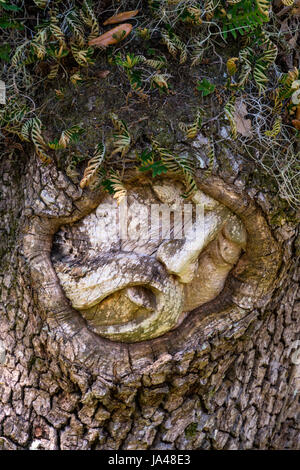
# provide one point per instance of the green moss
(191, 430)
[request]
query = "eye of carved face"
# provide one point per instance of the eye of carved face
(136, 270)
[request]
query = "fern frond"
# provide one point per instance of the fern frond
(197, 53)
(53, 71)
(285, 83)
(246, 66)
(94, 164)
(160, 80)
(275, 129)
(288, 3)
(264, 6)
(195, 15)
(192, 130)
(56, 31)
(69, 135)
(90, 20)
(278, 102)
(122, 143)
(229, 110)
(118, 124)
(38, 43)
(169, 43)
(19, 55)
(39, 49)
(80, 55)
(284, 89)
(209, 8)
(26, 130)
(76, 28)
(190, 186)
(210, 155)
(38, 140)
(120, 192)
(76, 77)
(270, 54)
(181, 166)
(155, 64)
(259, 75)
(181, 48)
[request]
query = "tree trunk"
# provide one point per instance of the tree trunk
(211, 384)
(225, 378)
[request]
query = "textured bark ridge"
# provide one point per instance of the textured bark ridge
(223, 379)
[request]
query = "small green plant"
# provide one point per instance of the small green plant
(205, 87)
(148, 163)
(191, 430)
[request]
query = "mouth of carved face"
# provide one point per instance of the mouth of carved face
(126, 305)
(135, 288)
(127, 312)
(123, 310)
(124, 296)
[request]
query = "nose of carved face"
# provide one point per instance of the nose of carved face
(180, 257)
(133, 291)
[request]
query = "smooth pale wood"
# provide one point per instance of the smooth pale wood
(107, 38)
(126, 15)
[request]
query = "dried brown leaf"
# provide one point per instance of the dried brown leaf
(113, 36)
(243, 126)
(126, 15)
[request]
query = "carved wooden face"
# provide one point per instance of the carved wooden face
(134, 271)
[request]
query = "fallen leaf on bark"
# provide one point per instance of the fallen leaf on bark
(243, 126)
(126, 15)
(113, 36)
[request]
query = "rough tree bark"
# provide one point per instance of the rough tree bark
(223, 380)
